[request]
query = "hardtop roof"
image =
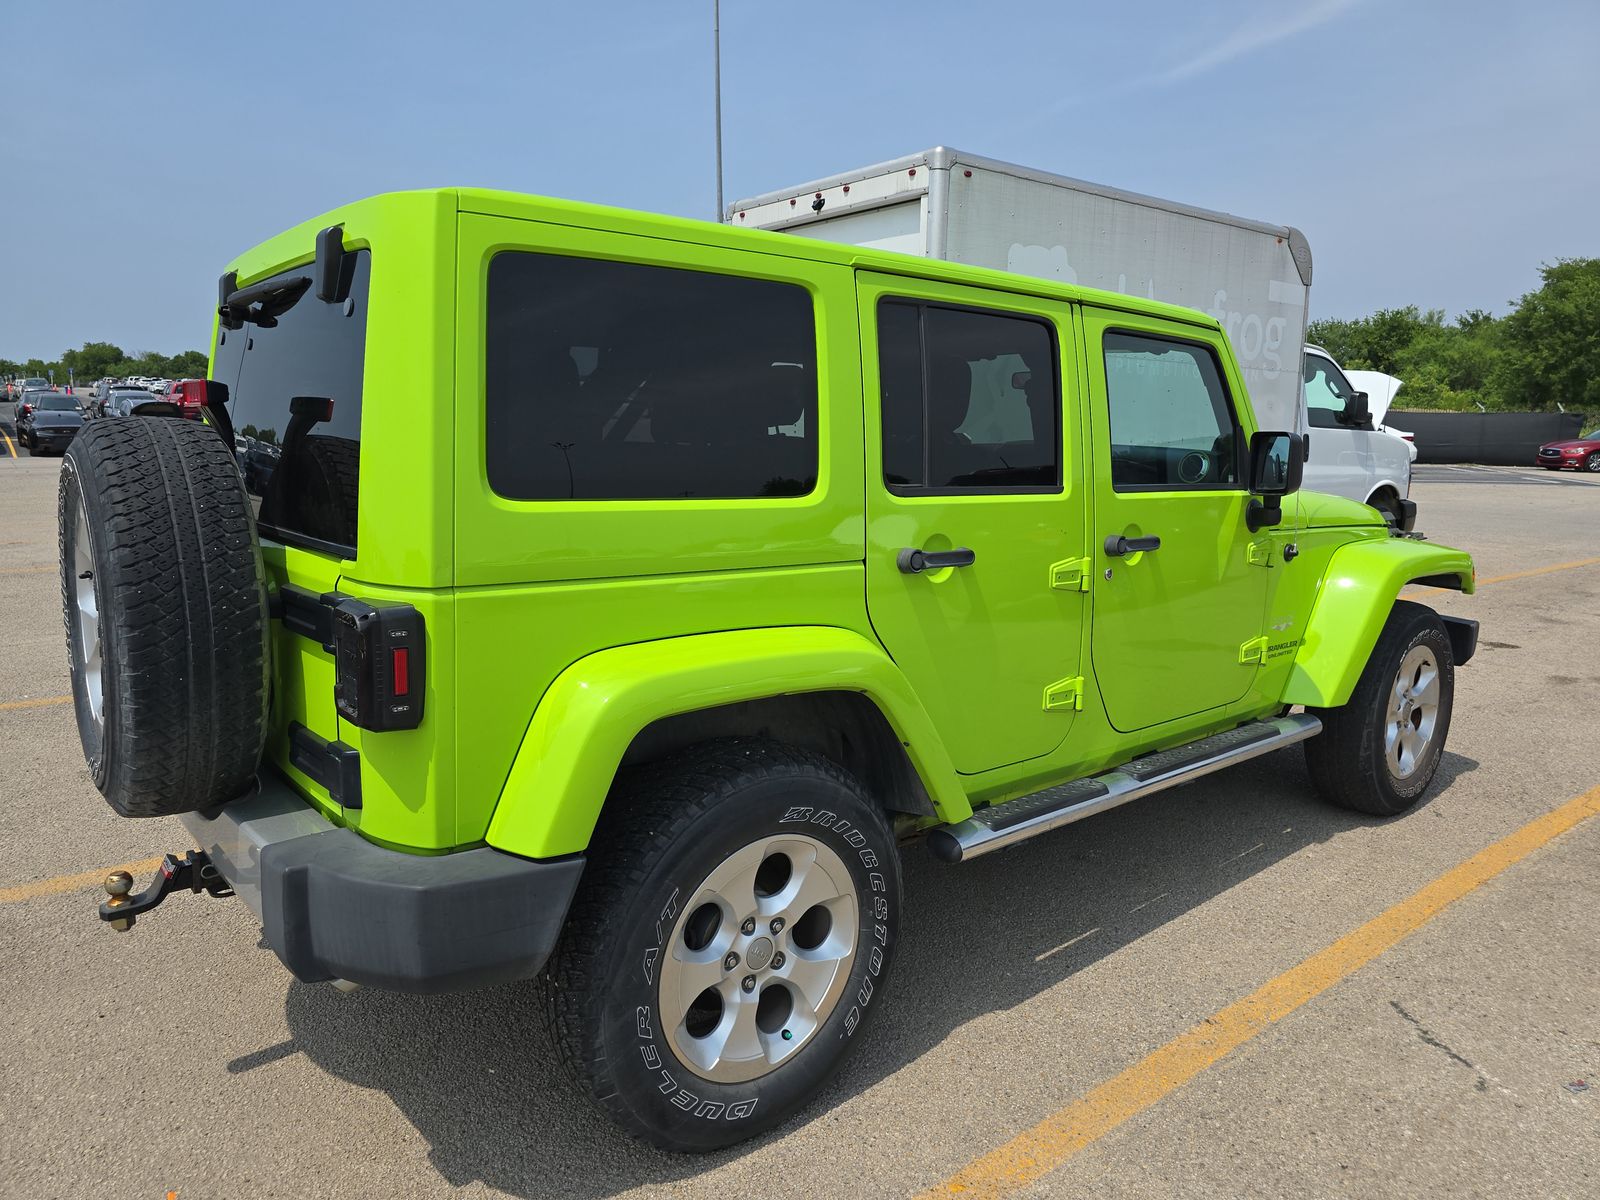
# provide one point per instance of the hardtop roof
(296, 245)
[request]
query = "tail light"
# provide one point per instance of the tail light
(378, 665)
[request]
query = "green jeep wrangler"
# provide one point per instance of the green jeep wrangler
(605, 597)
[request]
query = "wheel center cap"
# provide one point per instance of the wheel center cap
(759, 954)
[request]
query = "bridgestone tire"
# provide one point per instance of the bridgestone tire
(180, 595)
(1347, 759)
(666, 829)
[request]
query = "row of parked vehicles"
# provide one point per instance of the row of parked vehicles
(48, 418)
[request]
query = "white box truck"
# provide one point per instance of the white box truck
(1253, 277)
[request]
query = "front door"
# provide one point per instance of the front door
(969, 457)
(1171, 624)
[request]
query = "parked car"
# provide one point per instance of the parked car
(27, 399)
(1381, 390)
(1574, 454)
(116, 399)
(190, 397)
(127, 402)
(31, 383)
(826, 548)
(1343, 416)
(50, 423)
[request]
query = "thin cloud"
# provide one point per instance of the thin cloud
(1267, 29)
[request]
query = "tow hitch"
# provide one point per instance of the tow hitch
(193, 871)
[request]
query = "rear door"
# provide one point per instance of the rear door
(1171, 624)
(968, 451)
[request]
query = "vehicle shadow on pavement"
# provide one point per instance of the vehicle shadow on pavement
(475, 1072)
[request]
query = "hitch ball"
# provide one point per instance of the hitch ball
(118, 885)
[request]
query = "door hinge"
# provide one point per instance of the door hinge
(1071, 575)
(1064, 694)
(1259, 554)
(1254, 651)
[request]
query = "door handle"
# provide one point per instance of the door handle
(1117, 545)
(914, 562)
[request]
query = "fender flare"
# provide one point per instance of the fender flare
(1353, 600)
(598, 705)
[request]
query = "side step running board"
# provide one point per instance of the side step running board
(1017, 820)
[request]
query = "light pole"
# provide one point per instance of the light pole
(716, 71)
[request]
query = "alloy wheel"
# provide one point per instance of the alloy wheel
(1413, 716)
(759, 958)
(87, 650)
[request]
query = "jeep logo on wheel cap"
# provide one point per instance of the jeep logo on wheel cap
(759, 954)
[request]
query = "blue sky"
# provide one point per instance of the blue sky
(1434, 151)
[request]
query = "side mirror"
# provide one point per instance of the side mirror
(1357, 412)
(1277, 463)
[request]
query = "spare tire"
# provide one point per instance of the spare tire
(165, 602)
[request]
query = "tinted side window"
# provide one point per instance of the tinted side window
(1326, 392)
(295, 402)
(1171, 423)
(971, 400)
(609, 380)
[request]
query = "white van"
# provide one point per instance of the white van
(1349, 455)
(1252, 276)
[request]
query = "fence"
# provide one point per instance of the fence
(1494, 439)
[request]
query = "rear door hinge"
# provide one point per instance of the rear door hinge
(1254, 651)
(1064, 694)
(1070, 575)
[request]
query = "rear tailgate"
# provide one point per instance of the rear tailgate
(294, 371)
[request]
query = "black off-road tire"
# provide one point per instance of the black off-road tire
(665, 828)
(178, 584)
(1346, 760)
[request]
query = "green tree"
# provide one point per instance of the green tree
(1551, 353)
(94, 361)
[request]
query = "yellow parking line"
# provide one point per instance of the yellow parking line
(1410, 593)
(72, 883)
(11, 447)
(1049, 1144)
(38, 702)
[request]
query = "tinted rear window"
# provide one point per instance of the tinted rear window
(609, 380)
(295, 401)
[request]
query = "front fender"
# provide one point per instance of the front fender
(597, 706)
(1353, 600)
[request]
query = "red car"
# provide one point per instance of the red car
(1578, 454)
(190, 397)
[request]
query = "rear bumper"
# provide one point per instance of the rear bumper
(335, 906)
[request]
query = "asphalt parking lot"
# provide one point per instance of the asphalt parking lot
(1182, 997)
